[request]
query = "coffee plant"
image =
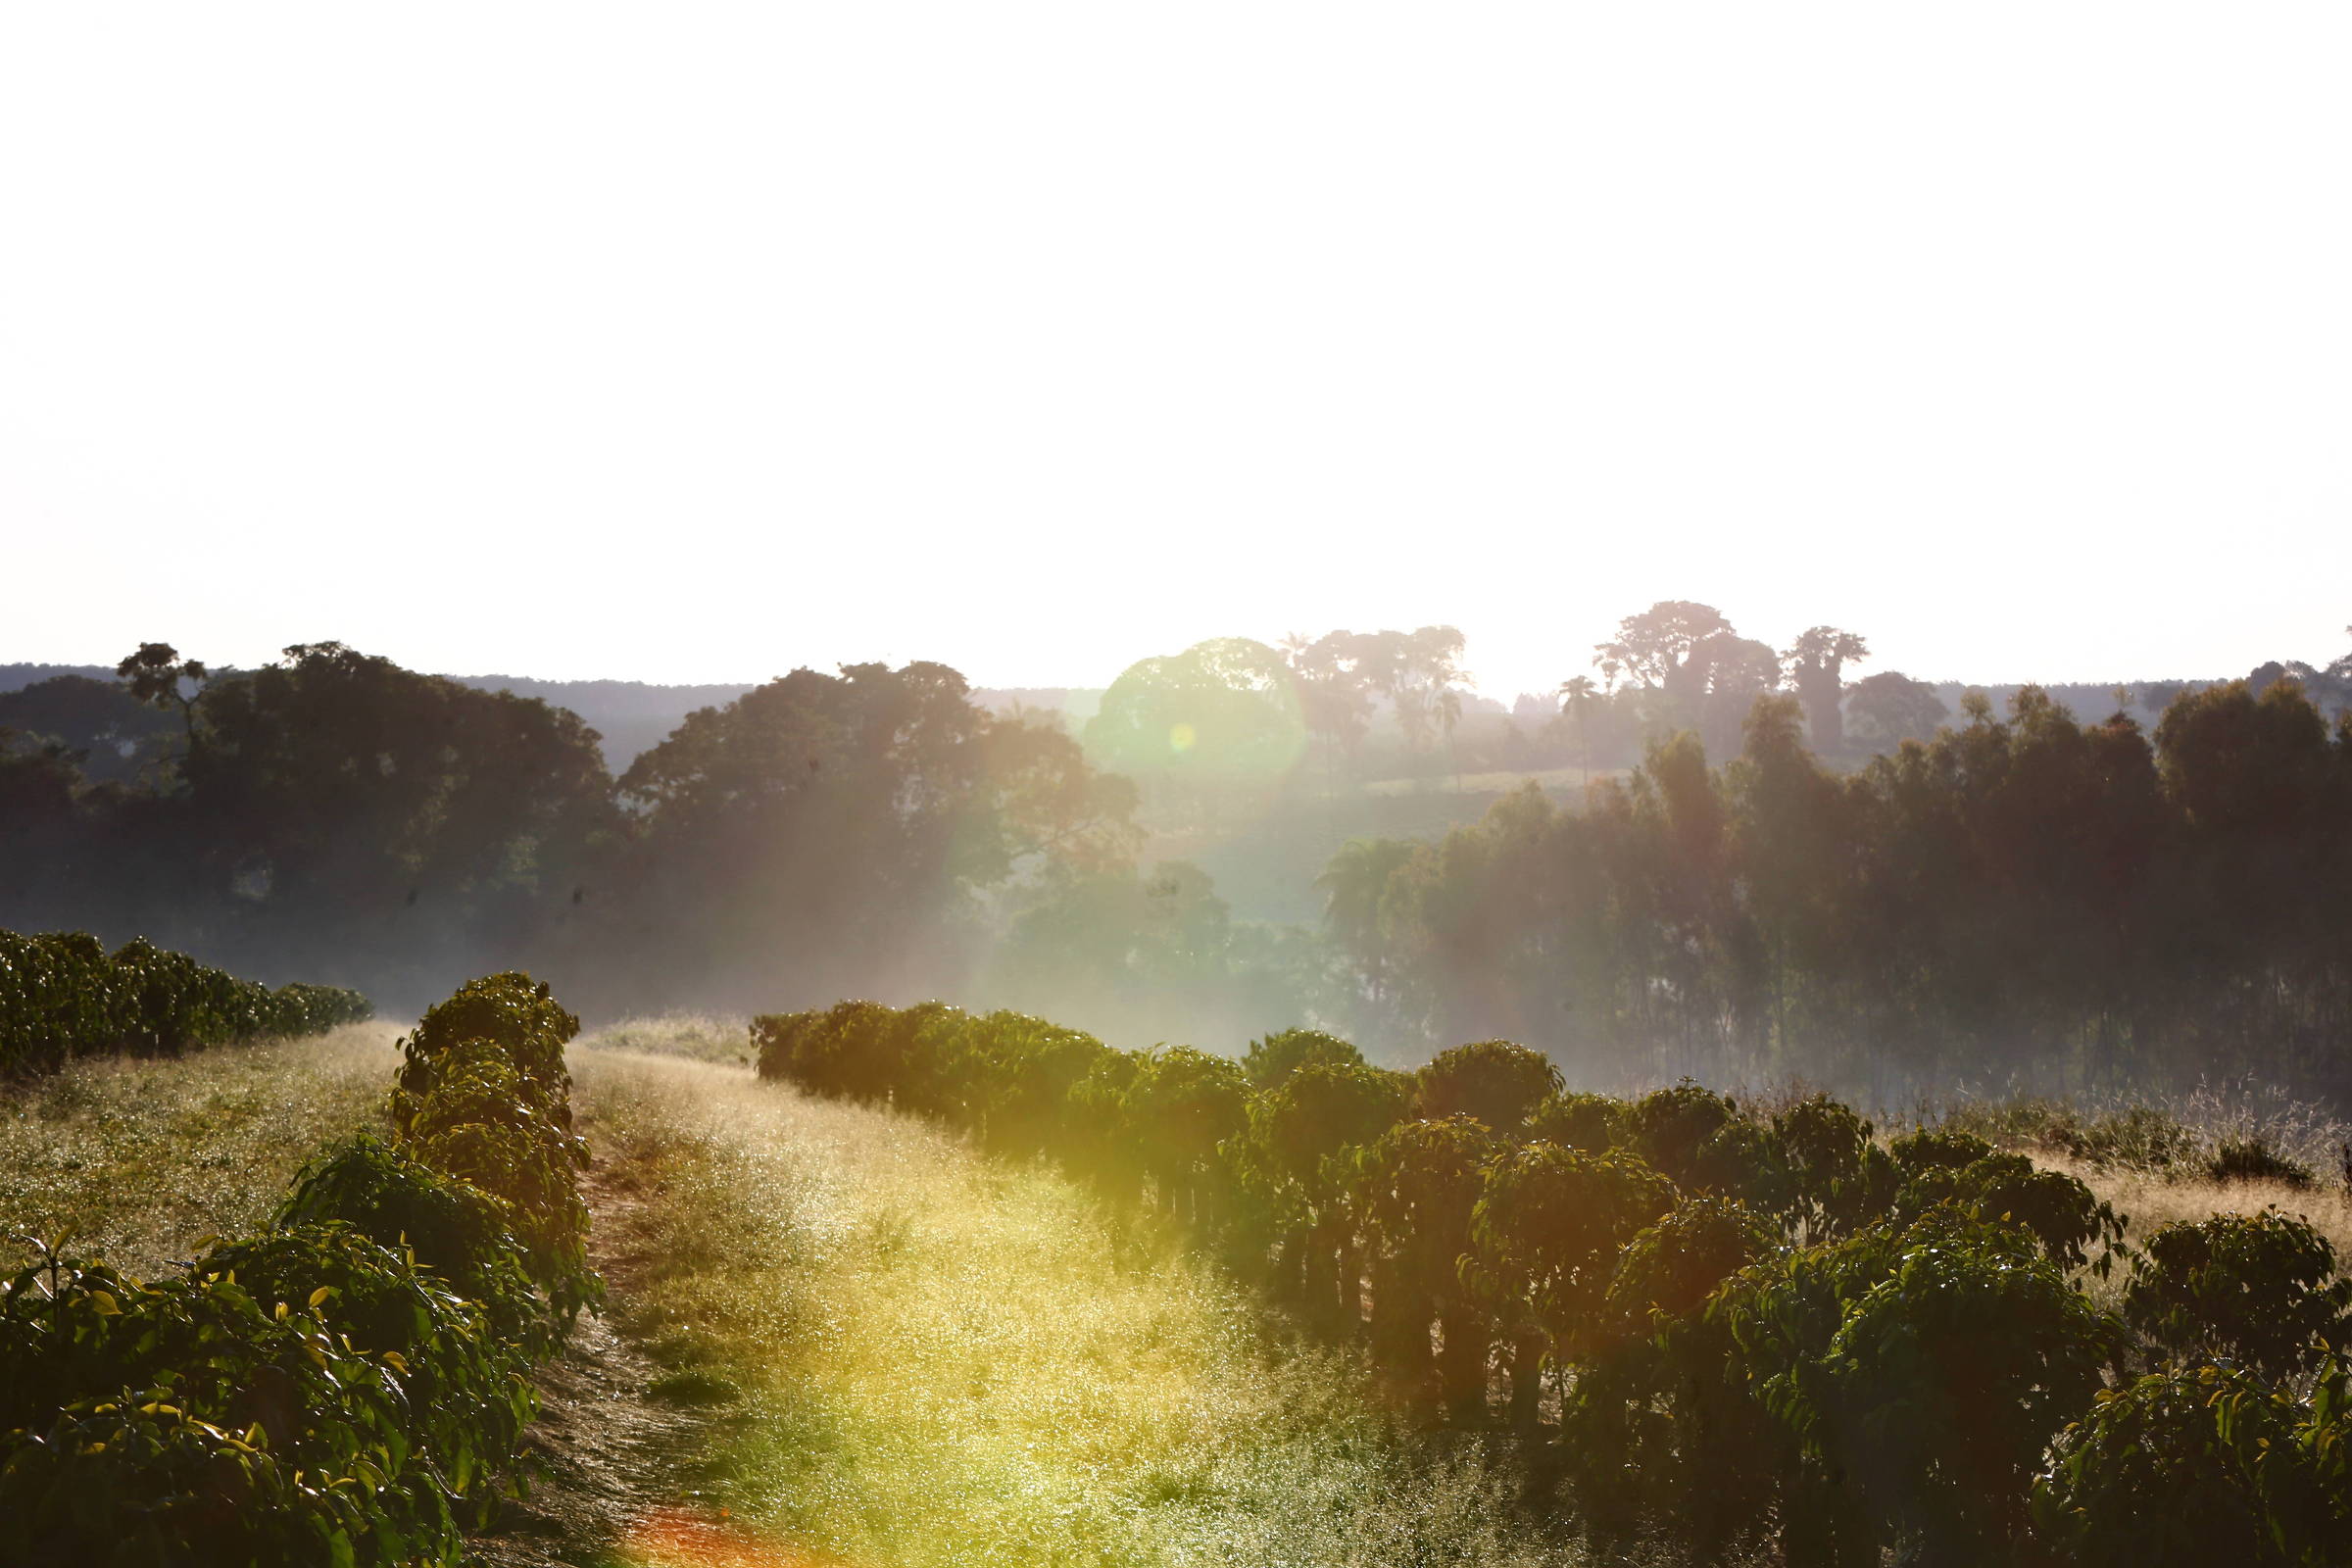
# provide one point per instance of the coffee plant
(63, 996)
(2259, 1288)
(349, 1387)
(1716, 1330)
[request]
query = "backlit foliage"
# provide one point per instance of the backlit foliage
(348, 1386)
(1740, 1329)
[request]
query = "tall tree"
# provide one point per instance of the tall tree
(1220, 719)
(1578, 694)
(841, 829)
(1664, 648)
(1356, 890)
(1816, 663)
(157, 677)
(1890, 707)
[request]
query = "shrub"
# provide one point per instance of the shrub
(1496, 1080)
(2056, 1210)
(1670, 1268)
(449, 1225)
(185, 1421)
(1832, 1178)
(2259, 1288)
(1920, 1373)
(2253, 1160)
(1574, 1119)
(1668, 1127)
(1937, 1148)
(1548, 1229)
(314, 1394)
(1271, 1059)
(306, 1010)
(1656, 1422)
(64, 995)
(2190, 1466)
(776, 1044)
(508, 1008)
(466, 1398)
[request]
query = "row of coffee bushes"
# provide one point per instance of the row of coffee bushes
(349, 1386)
(1717, 1329)
(64, 995)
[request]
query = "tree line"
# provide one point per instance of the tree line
(2023, 895)
(336, 816)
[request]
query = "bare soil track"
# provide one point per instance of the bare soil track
(609, 1454)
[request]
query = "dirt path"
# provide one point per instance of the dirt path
(610, 1453)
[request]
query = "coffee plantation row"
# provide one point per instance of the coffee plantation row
(1710, 1327)
(64, 995)
(348, 1386)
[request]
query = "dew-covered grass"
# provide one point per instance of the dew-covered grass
(920, 1356)
(133, 1159)
(721, 1037)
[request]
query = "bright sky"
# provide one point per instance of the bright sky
(696, 342)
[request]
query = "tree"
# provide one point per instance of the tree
(1577, 696)
(1417, 673)
(1355, 886)
(113, 730)
(1334, 697)
(850, 823)
(1739, 671)
(39, 831)
(1222, 716)
(340, 803)
(1664, 649)
(1890, 707)
(157, 677)
(1816, 663)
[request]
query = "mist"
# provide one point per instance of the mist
(1695, 854)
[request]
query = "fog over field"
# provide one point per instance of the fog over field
(1708, 856)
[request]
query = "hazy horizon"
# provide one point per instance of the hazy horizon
(979, 682)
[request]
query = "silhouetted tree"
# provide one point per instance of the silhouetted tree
(157, 677)
(1815, 662)
(1890, 707)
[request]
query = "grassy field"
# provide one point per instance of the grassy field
(929, 1357)
(136, 1159)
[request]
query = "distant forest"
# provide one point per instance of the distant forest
(1699, 854)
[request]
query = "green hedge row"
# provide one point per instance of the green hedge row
(64, 995)
(1716, 1328)
(349, 1387)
